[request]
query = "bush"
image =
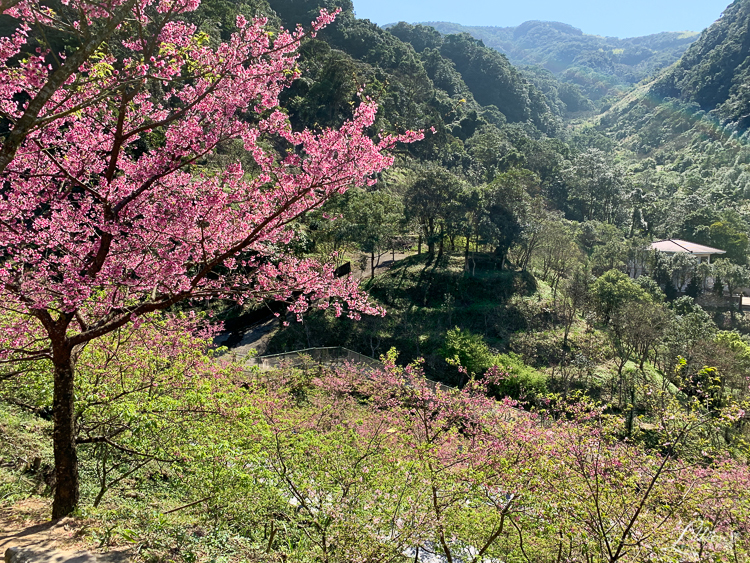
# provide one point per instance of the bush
(469, 349)
(523, 381)
(471, 352)
(25, 454)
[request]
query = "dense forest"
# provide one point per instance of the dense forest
(465, 214)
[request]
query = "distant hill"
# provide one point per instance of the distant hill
(458, 80)
(491, 77)
(686, 135)
(598, 64)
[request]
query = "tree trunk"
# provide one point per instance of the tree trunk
(631, 415)
(419, 244)
(620, 382)
(466, 254)
(103, 487)
(474, 262)
(372, 265)
(568, 325)
(64, 437)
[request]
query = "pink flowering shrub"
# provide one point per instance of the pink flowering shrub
(375, 466)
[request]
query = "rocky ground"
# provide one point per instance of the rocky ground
(27, 536)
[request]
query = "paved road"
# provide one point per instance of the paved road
(258, 336)
(255, 338)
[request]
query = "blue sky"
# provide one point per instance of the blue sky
(623, 18)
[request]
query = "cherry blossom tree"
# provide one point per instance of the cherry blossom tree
(109, 208)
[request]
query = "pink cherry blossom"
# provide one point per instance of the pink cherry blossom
(111, 209)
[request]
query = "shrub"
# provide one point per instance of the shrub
(469, 349)
(523, 381)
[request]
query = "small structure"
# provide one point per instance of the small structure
(672, 246)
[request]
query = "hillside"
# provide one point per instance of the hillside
(461, 79)
(685, 134)
(426, 298)
(600, 65)
(714, 71)
(488, 72)
(707, 85)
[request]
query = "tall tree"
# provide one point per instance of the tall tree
(613, 290)
(433, 199)
(731, 238)
(595, 186)
(374, 221)
(507, 206)
(734, 276)
(109, 208)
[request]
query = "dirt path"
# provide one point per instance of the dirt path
(26, 527)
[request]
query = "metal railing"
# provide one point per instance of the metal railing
(328, 356)
(332, 355)
(340, 356)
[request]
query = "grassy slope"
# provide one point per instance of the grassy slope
(424, 298)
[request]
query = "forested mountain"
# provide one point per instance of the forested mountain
(685, 134)
(483, 109)
(487, 72)
(600, 65)
(709, 82)
(715, 70)
(441, 84)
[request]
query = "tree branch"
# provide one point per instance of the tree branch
(6, 5)
(106, 440)
(56, 80)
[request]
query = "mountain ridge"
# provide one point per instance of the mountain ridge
(600, 65)
(715, 69)
(561, 26)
